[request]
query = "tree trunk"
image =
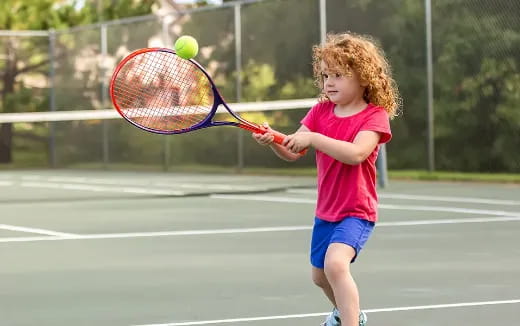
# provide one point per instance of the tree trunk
(6, 136)
(6, 129)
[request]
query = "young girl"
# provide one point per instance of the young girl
(346, 128)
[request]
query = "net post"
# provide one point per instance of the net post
(52, 98)
(323, 21)
(104, 94)
(429, 80)
(382, 169)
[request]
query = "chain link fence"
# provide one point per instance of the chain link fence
(261, 50)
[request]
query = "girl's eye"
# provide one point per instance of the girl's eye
(338, 75)
(325, 76)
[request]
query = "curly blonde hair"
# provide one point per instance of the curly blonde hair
(347, 52)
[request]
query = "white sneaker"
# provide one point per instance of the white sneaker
(334, 320)
(362, 318)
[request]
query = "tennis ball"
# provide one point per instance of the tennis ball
(186, 47)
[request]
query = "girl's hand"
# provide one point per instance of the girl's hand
(298, 141)
(264, 139)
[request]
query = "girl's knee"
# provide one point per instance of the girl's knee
(337, 260)
(336, 267)
(319, 278)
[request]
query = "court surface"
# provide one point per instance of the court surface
(108, 248)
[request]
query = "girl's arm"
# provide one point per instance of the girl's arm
(280, 151)
(349, 153)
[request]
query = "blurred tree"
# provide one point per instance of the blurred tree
(477, 82)
(270, 37)
(476, 77)
(476, 67)
(24, 56)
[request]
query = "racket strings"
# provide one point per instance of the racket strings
(161, 91)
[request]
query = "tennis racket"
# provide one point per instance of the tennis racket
(160, 92)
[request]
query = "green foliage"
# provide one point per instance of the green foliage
(213, 30)
(399, 27)
(477, 83)
(289, 29)
(454, 176)
(476, 70)
(103, 10)
(300, 87)
(258, 79)
(26, 99)
(25, 59)
(36, 15)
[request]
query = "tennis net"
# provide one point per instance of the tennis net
(102, 139)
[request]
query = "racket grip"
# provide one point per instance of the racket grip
(279, 138)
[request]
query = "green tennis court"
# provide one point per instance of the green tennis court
(102, 248)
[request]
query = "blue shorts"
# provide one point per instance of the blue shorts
(351, 231)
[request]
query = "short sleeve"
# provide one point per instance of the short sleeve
(379, 122)
(309, 120)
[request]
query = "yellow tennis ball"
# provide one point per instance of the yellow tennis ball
(186, 47)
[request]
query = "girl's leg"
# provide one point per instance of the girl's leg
(345, 292)
(319, 278)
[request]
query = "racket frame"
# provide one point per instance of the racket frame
(206, 122)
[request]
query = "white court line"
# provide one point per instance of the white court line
(6, 183)
(34, 230)
(250, 230)
(111, 182)
(159, 234)
(150, 189)
(452, 221)
(448, 209)
(318, 314)
(85, 187)
(473, 200)
(383, 206)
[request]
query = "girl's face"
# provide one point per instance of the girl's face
(341, 89)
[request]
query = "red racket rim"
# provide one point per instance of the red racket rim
(180, 117)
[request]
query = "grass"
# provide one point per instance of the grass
(293, 171)
(201, 169)
(454, 176)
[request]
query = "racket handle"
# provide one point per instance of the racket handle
(278, 136)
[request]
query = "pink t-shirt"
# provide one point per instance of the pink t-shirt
(343, 189)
